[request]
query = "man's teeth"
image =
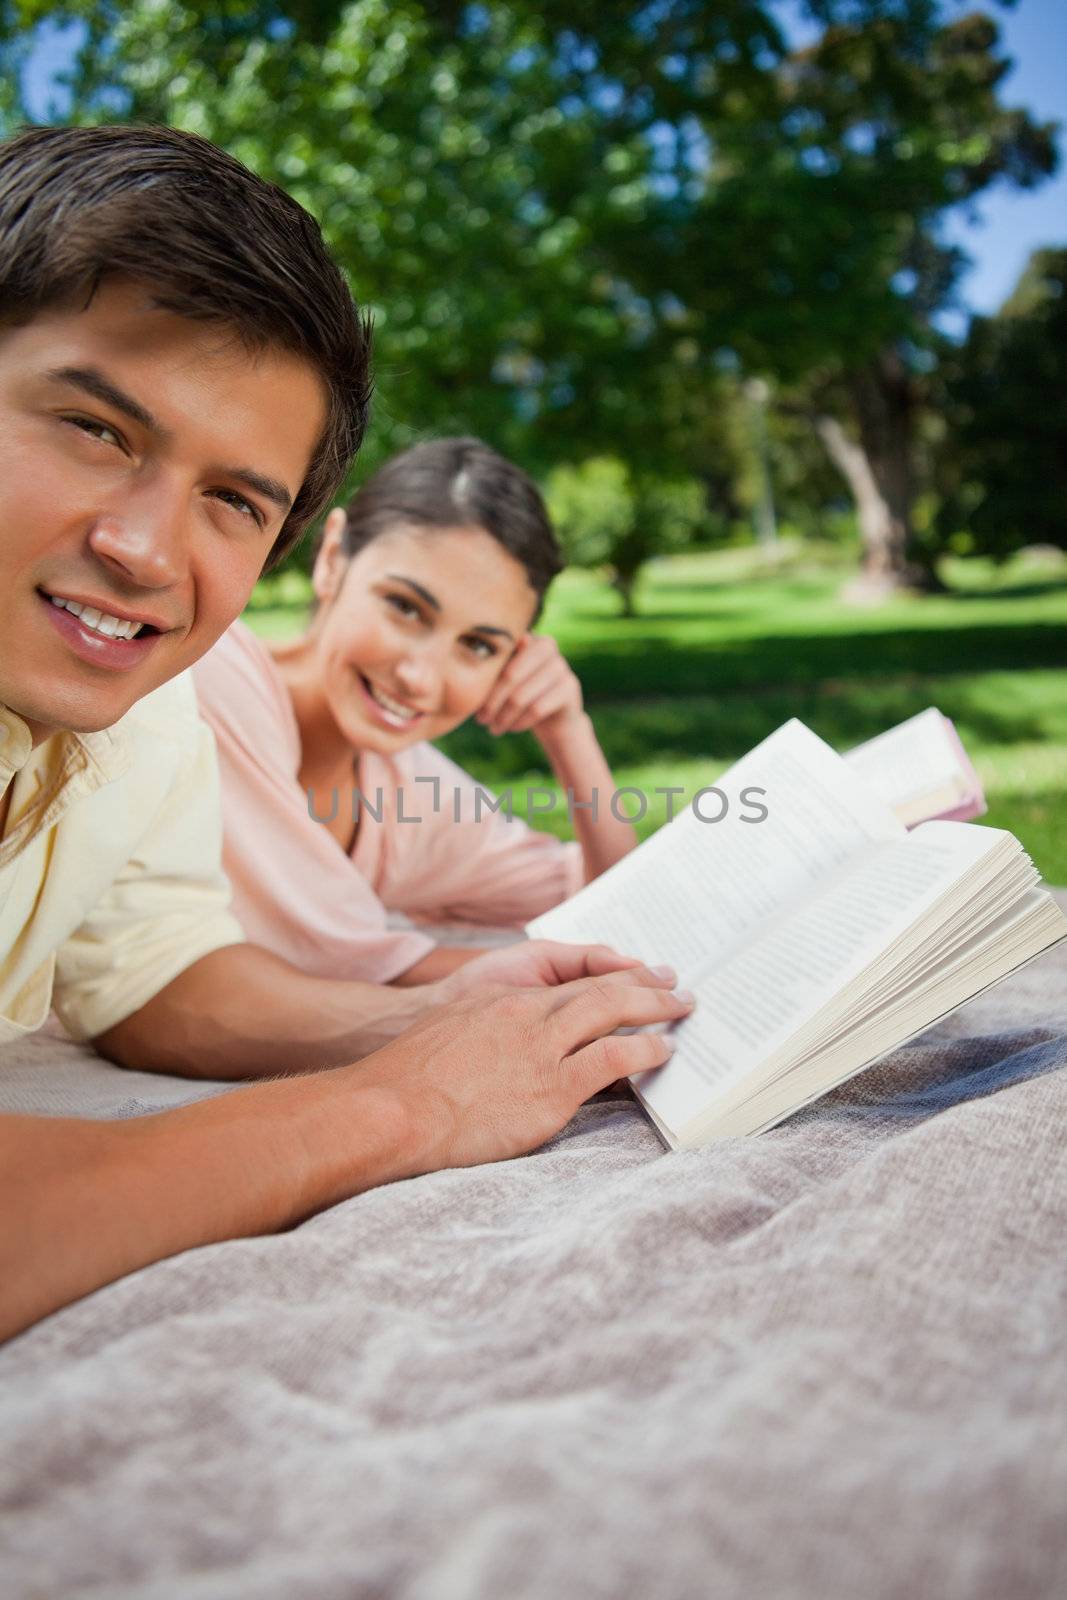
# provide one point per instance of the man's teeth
(394, 708)
(99, 621)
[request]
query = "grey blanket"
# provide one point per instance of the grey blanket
(827, 1362)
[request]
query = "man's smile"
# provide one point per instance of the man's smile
(117, 623)
(101, 637)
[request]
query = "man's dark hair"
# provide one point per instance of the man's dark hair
(458, 483)
(210, 240)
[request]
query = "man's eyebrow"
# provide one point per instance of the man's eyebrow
(259, 483)
(92, 381)
(431, 600)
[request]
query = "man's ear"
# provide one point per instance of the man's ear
(331, 561)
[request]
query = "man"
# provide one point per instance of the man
(183, 380)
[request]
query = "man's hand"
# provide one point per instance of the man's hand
(489, 1078)
(538, 963)
(240, 1012)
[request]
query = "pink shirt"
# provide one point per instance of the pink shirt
(297, 892)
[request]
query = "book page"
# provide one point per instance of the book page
(996, 941)
(1030, 927)
(698, 889)
(750, 1004)
(919, 768)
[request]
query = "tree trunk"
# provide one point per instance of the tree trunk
(877, 469)
(623, 584)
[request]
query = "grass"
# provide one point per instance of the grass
(724, 650)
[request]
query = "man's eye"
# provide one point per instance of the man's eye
(230, 497)
(97, 430)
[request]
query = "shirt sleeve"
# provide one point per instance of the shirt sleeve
(465, 861)
(169, 905)
(295, 890)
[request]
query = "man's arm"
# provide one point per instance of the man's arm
(479, 1080)
(241, 1012)
(96, 1200)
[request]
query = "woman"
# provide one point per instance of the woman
(337, 807)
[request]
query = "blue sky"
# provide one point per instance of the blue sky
(1011, 223)
(1014, 223)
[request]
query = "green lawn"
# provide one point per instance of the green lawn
(723, 651)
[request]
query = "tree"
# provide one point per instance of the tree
(1004, 461)
(607, 515)
(937, 136)
(569, 216)
(807, 234)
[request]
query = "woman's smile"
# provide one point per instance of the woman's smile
(393, 713)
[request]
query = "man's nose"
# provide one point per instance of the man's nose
(145, 543)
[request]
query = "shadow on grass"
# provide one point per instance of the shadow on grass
(804, 586)
(1018, 591)
(675, 600)
(723, 727)
(704, 612)
(627, 668)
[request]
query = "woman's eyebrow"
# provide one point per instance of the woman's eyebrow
(431, 600)
(424, 594)
(487, 627)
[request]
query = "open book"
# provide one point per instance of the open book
(815, 939)
(921, 770)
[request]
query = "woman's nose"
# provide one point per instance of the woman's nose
(418, 675)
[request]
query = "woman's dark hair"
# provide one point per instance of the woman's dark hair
(210, 239)
(458, 483)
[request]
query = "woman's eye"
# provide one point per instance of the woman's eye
(230, 497)
(402, 605)
(481, 648)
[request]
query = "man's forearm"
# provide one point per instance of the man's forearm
(241, 1012)
(95, 1201)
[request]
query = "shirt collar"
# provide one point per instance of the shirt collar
(107, 753)
(15, 745)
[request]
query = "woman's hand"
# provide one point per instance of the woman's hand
(537, 691)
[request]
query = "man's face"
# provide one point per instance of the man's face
(147, 462)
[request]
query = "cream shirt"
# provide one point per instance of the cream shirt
(110, 876)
